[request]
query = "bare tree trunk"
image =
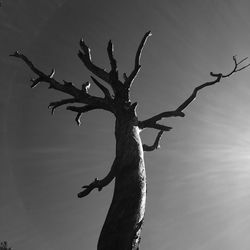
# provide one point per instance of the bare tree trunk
(122, 226)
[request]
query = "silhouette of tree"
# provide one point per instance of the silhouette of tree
(4, 246)
(122, 227)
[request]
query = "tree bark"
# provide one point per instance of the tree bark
(122, 227)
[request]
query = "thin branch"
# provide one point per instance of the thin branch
(102, 88)
(35, 82)
(42, 77)
(129, 80)
(195, 91)
(241, 61)
(217, 79)
(155, 126)
(236, 66)
(81, 110)
(85, 57)
(54, 105)
(99, 184)
(152, 122)
(113, 63)
(156, 144)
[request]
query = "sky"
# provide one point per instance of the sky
(198, 182)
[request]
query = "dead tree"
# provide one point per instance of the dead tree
(122, 227)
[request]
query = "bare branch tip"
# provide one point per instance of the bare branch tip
(52, 106)
(52, 73)
(82, 43)
(246, 66)
(110, 46)
(15, 54)
(86, 86)
(35, 82)
(243, 60)
(144, 39)
(77, 119)
(181, 114)
(148, 33)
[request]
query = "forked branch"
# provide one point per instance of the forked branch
(218, 76)
(156, 144)
(85, 57)
(129, 80)
(152, 122)
(42, 77)
(78, 95)
(109, 77)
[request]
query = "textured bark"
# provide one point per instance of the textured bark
(122, 226)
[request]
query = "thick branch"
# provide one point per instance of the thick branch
(156, 126)
(129, 80)
(42, 77)
(156, 144)
(99, 184)
(79, 95)
(152, 121)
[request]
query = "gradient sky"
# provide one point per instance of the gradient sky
(198, 181)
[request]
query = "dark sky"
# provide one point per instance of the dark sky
(198, 181)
